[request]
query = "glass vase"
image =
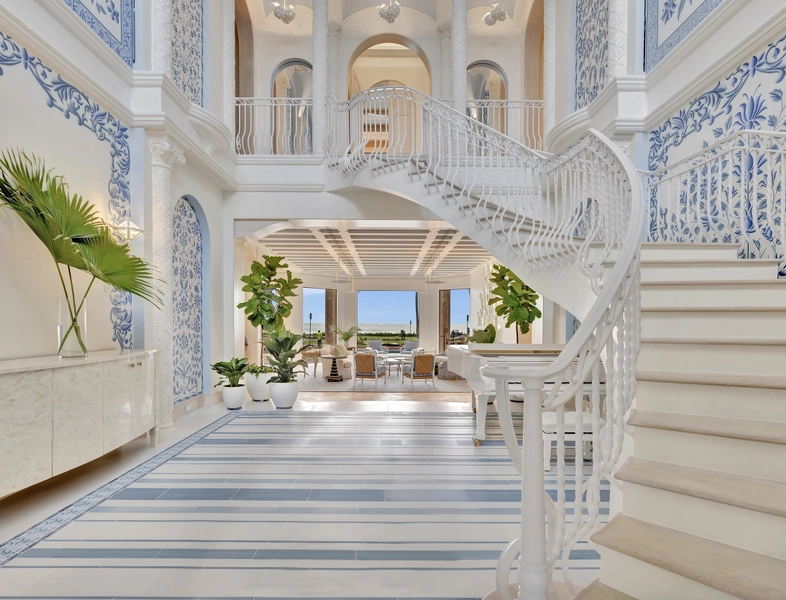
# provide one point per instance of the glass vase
(71, 330)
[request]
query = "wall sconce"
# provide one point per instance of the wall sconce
(497, 13)
(284, 13)
(390, 11)
(128, 230)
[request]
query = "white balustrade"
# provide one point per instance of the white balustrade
(732, 191)
(521, 120)
(581, 208)
(271, 126)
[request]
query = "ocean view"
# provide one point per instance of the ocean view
(380, 327)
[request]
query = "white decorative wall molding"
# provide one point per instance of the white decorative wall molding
(459, 52)
(319, 77)
(549, 64)
(445, 60)
(187, 302)
(164, 157)
(112, 21)
(668, 22)
(72, 102)
(335, 29)
(592, 49)
(618, 38)
(229, 64)
(162, 36)
(187, 41)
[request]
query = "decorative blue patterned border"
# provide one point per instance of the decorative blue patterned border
(74, 103)
(124, 47)
(653, 53)
(39, 532)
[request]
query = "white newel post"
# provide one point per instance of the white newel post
(164, 156)
(549, 67)
(334, 39)
(459, 46)
(229, 64)
(319, 61)
(162, 36)
(533, 569)
(445, 61)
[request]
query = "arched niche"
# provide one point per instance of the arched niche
(355, 84)
(486, 80)
(292, 78)
(191, 300)
(244, 51)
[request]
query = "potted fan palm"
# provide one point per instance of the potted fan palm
(230, 373)
(281, 346)
(257, 378)
(77, 238)
(346, 335)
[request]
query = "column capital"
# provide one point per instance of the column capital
(335, 28)
(165, 153)
(444, 29)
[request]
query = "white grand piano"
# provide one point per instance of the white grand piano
(466, 360)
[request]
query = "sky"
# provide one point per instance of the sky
(384, 307)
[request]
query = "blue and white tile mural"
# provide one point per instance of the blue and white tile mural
(186, 301)
(592, 49)
(73, 102)
(744, 172)
(668, 22)
(110, 20)
(187, 29)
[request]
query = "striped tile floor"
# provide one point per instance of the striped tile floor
(291, 505)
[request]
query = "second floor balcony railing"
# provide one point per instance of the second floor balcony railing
(282, 126)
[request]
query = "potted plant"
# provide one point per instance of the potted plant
(346, 335)
(230, 373)
(257, 381)
(268, 305)
(515, 300)
(281, 346)
(77, 238)
(484, 336)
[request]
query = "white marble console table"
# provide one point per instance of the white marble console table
(56, 415)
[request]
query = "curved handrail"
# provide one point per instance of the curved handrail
(581, 206)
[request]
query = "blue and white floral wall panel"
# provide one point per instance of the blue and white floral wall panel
(668, 22)
(187, 31)
(112, 21)
(592, 49)
(187, 301)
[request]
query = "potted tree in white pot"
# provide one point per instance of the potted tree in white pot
(257, 379)
(230, 373)
(281, 347)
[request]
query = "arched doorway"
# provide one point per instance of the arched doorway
(190, 304)
(389, 58)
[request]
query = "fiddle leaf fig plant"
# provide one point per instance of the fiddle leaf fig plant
(515, 301)
(484, 336)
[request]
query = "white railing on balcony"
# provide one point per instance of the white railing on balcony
(732, 191)
(521, 120)
(577, 209)
(271, 126)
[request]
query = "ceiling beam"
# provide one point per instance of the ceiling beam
(425, 249)
(457, 237)
(353, 252)
(330, 250)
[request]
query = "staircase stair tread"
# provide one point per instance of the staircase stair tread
(767, 382)
(599, 591)
(710, 282)
(740, 573)
(753, 493)
(711, 309)
(740, 429)
(715, 341)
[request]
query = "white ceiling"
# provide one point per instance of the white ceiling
(413, 251)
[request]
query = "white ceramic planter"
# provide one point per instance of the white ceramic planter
(283, 395)
(258, 387)
(234, 397)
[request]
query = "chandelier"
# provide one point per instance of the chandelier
(282, 12)
(497, 13)
(390, 11)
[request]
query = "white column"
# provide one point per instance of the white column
(162, 36)
(229, 64)
(445, 62)
(459, 46)
(319, 61)
(549, 69)
(333, 41)
(164, 156)
(618, 38)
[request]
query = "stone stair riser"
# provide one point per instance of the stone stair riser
(753, 296)
(712, 358)
(714, 325)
